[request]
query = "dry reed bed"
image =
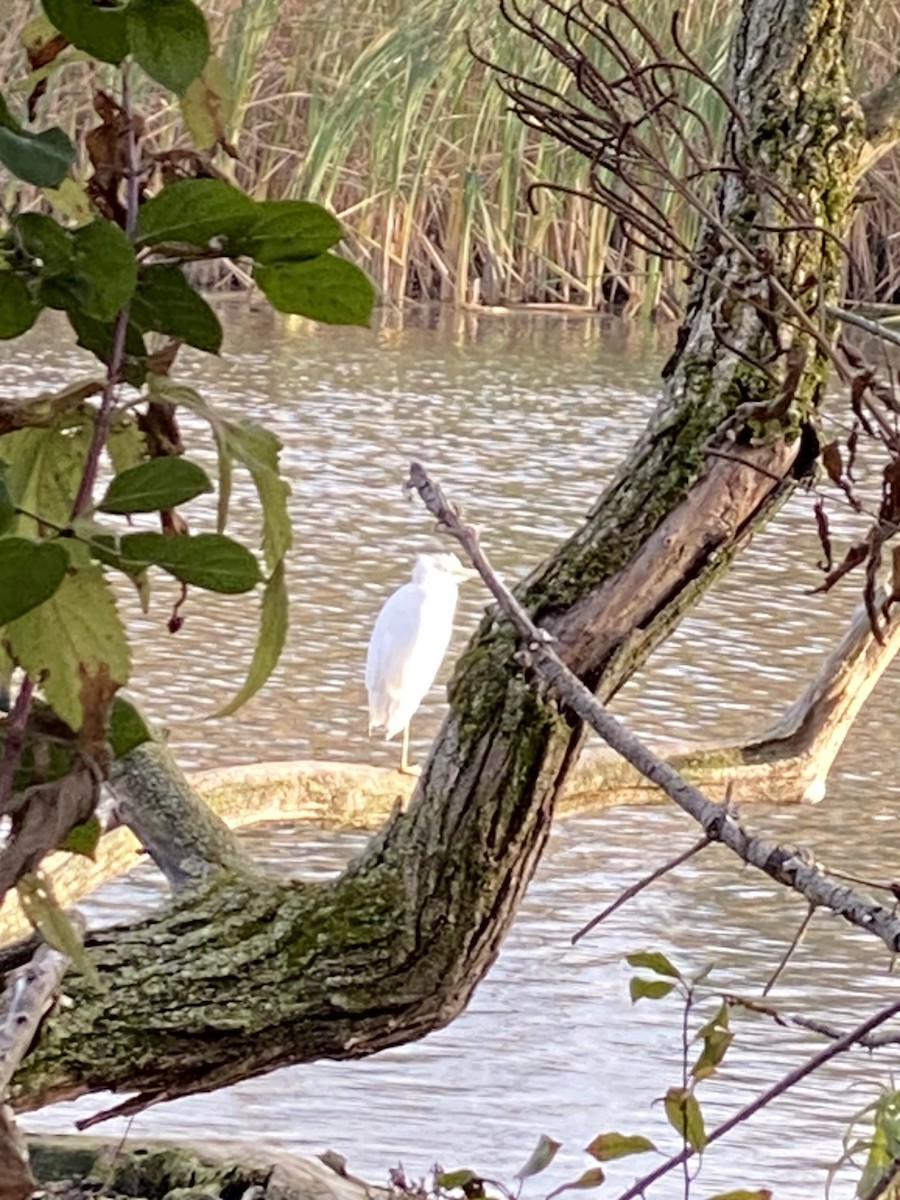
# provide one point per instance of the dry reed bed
(377, 109)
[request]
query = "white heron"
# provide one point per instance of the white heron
(409, 642)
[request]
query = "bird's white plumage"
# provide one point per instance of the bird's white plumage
(409, 641)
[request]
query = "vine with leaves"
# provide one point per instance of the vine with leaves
(96, 480)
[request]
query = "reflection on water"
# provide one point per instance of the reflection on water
(522, 419)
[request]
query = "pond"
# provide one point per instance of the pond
(523, 419)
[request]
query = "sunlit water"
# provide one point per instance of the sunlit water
(523, 420)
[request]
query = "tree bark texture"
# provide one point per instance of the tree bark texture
(238, 975)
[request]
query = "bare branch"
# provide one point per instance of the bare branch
(854, 1037)
(790, 868)
(788, 954)
(637, 888)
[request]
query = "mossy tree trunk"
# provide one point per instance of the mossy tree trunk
(239, 976)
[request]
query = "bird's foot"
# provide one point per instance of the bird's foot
(410, 769)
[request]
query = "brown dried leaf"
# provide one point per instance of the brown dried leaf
(160, 361)
(824, 536)
(832, 461)
(97, 691)
(42, 817)
(858, 553)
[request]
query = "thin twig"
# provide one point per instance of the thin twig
(786, 957)
(637, 888)
(809, 1024)
(104, 415)
(783, 1085)
(788, 867)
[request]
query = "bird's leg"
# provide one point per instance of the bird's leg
(404, 752)
(405, 767)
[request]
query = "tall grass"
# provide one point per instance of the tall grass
(377, 109)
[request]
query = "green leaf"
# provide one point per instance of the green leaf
(716, 1038)
(590, 1178)
(71, 640)
(126, 444)
(169, 39)
(455, 1179)
(166, 302)
(649, 989)
(288, 230)
(7, 508)
(273, 627)
(744, 1194)
(540, 1158)
(83, 839)
(44, 239)
(207, 106)
(155, 486)
(98, 337)
(45, 469)
(127, 729)
(44, 913)
(209, 560)
(104, 269)
(326, 288)
(607, 1146)
(71, 201)
(18, 312)
(194, 212)
(884, 1147)
(255, 448)
(30, 573)
(101, 30)
(653, 960)
(39, 158)
(685, 1116)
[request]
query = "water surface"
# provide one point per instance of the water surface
(522, 419)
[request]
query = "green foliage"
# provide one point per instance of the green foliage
(155, 486)
(273, 627)
(166, 303)
(286, 230)
(649, 989)
(716, 1037)
(127, 728)
(169, 39)
(744, 1194)
(54, 926)
(83, 839)
(684, 1115)
(30, 572)
(607, 1146)
(653, 960)
(100, 31)
(41, 158)
(73, 643)
(208, 560)
(590, 1178)
(113, 257)
(195, 212)
(18, 311)
(325, 288)
(540, 1158)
